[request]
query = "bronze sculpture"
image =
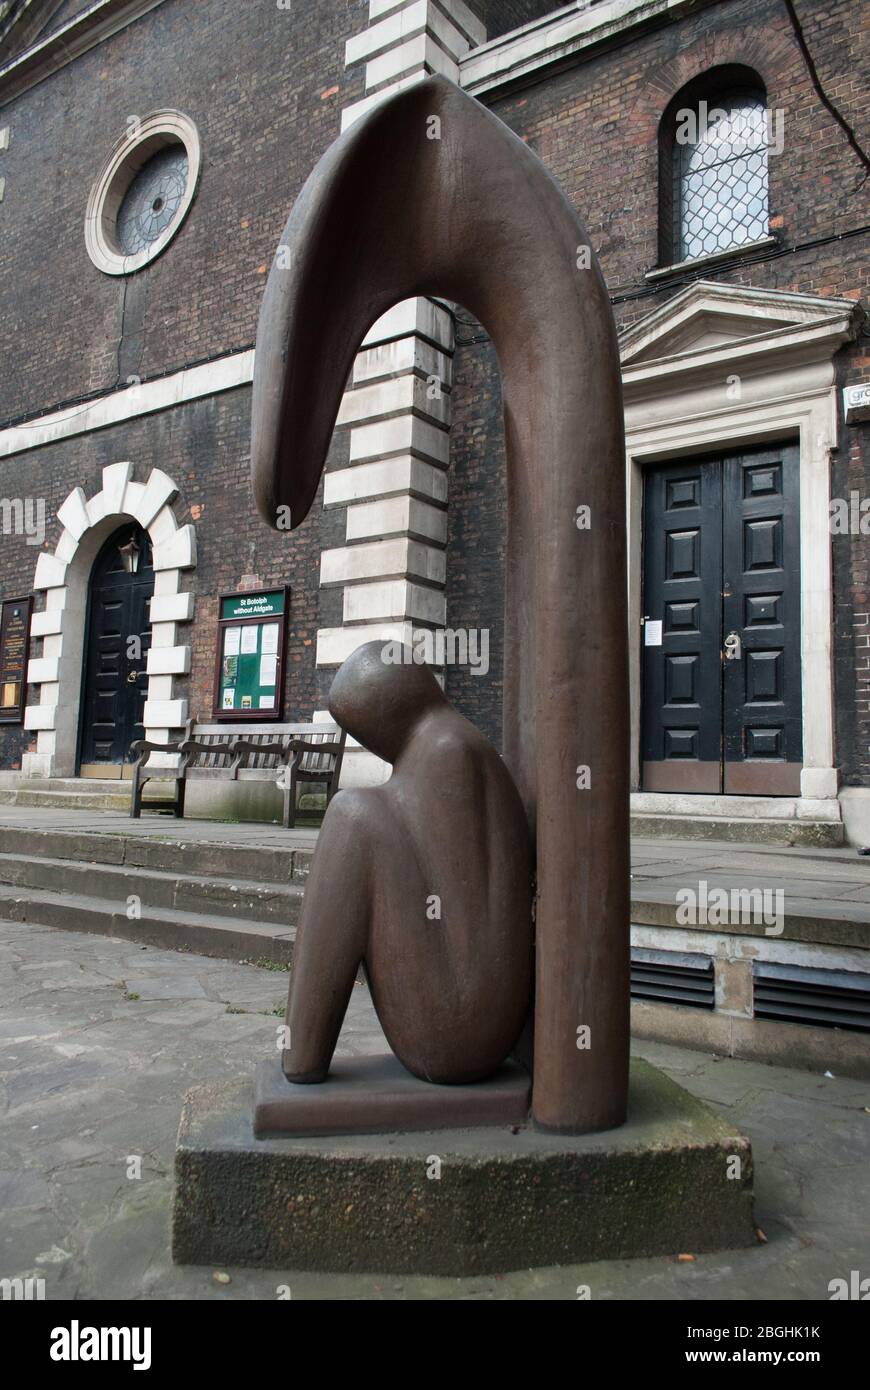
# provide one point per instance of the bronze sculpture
(425, 879)
(430, 193)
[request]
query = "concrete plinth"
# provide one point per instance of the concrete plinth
(664, 1183)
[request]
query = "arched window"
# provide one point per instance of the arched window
(715, 161)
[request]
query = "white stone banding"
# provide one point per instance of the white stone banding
(64, 578)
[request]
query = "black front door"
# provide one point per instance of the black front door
(721, 633)
(119, 636)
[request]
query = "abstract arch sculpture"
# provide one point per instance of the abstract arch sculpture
(431, 194)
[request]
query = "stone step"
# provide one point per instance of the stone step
(13, 781)
(812, 833)
(90, 800)
(168, 928)
(251, 863)
(275, 903)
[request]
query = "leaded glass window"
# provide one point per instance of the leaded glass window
(152, 199)
(720, 174)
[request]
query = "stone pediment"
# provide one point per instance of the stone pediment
(22, 22)
(707, 318)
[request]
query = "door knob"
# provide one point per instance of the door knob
(132, 677)
(733, 647)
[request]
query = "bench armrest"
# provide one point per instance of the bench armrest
(143, 747)
(301, 745)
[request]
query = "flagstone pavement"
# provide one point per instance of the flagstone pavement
(100, 1039)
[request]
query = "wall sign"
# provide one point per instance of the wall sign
(14, 643)
(856, 402)
(249, 672)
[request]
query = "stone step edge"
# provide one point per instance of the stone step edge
(168, 929)
(741, 830)
(91, 846)
(93, 801)
(226, 883)
(817, 928)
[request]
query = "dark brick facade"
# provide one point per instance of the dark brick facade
(265, 88)
(205, 446)
(476, 524)
(265, 92)
(596, 128)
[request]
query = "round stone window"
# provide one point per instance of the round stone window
(143, 193)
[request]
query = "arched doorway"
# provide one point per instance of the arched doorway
(116, 652)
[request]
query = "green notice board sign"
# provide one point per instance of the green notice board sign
(241, 606)
(249, 672)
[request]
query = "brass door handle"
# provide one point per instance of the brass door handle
(733, 647)
(132, 677)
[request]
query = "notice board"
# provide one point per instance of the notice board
(14, 644)
(249, 671)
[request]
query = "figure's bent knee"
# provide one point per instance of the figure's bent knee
(349, 821)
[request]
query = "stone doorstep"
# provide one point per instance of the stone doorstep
(659, 1185)
(738, 830)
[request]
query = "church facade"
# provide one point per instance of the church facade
(150, 152)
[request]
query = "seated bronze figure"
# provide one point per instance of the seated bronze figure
(425, 881)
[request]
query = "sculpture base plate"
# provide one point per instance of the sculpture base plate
(659, 1185)
(376, 1095)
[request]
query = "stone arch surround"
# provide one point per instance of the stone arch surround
(775, 56)
(63, 577)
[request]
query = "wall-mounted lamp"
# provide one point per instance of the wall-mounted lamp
(130, 555)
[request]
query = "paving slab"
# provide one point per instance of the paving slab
(810, 1137)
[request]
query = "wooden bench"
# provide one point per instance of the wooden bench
(288, 754)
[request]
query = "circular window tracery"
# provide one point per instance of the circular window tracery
(152, 200)
(143, 193)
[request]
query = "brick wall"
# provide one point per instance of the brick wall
(596, 127)
(264, 87)
(476, 525)
(205, 448)
(265, 90)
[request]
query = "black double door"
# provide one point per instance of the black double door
(721, 633)
(119, 636)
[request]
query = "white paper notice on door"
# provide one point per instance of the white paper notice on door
(268, 666)
(652, 633)
(231, 641)
(229, 698)
(249, 640)
(269, 642)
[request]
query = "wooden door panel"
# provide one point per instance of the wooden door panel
(112, 702)
(761, 605)
(682, 560)
(722, 561)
